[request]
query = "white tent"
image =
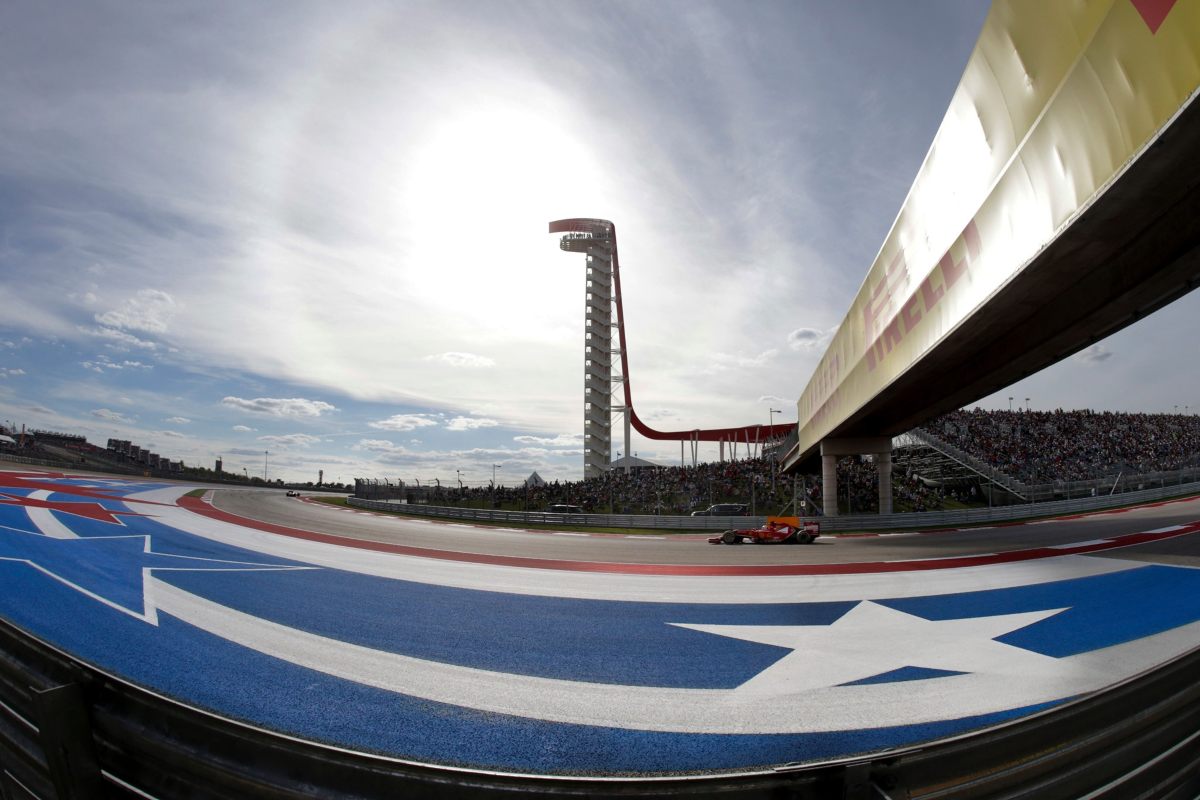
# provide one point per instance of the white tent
(535, 480)
(633, 462)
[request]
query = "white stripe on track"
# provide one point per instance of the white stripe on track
(45, 520)
(723, 589)
(672, 709)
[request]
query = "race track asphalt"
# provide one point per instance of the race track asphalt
(275, 507)
(541, 652)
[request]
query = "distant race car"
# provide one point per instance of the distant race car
(293, 493)
(776, 529)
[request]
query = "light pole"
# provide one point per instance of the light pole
(265, 454)
(1010, 404)
(771, 415)
(1026, 403)
(494, 468)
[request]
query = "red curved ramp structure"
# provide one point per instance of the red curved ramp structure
(597, 239)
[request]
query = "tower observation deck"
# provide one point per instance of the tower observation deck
(603, 313)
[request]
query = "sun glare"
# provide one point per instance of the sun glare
(476, 199)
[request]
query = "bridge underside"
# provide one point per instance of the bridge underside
(1135, 249)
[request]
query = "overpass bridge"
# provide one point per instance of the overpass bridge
(1058, 203)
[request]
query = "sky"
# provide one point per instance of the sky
(319, 231)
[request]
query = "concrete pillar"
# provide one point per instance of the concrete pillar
(829, 485)
(832, 448)
(883, 461)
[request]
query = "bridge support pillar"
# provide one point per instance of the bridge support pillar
(829, 485)
(883, 462)
(878, 446)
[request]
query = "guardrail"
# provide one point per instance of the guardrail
(1188, 485)
(68, 730)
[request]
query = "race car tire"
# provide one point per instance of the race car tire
(729, 537)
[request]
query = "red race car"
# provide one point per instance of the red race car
(776, 529)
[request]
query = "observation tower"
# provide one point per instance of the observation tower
(597, 239)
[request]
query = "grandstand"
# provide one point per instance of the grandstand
(964, 458)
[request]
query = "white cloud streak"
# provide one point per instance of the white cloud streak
(149, 310)
(290, 440)
(108, 415)
(404, 422)
(292, 407)
(470, 423)
(463, 360)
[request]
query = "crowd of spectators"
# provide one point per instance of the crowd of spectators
(1031, 446)
(754, 482)
(654, 490)
(1053, 446)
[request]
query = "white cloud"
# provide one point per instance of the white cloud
(149, 310)
(294, 407)
(103, 363)
(809, 338)
(468, 360)
(562, 440)
(774, 399)
(244, 429)
(380, 446)
(725, 361)
(172, 434)
(178, 420)
(290, 440)
(110, 416)
(1096, 354)
(404, 422)
(119, 339)
(470, 423)
(10, 373)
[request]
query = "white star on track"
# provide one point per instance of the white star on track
(872, 639)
